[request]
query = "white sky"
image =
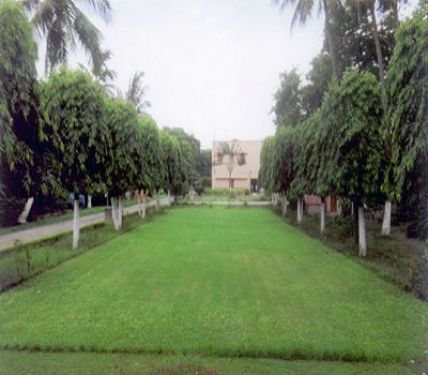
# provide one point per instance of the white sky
(212, 66)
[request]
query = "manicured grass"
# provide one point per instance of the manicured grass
(216, 281)
(13, 363)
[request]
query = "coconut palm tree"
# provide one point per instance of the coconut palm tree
(64, 26)
(303, 10)
(137, 91)
(232, 151)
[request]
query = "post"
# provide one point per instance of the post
(89, 201)
(76, 222)
(362, 232)
(386, 224)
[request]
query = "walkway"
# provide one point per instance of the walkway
(51, 230)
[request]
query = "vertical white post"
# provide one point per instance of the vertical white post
(362, 232)
(386, 224)
(26, 211)
(299, 210)
(76, 224)
(322, 217)
(89, 201)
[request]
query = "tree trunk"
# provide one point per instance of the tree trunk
(330, 40)
(169, 197)
(299, 210)
(22, 219)
(273, 199)
(139, 204)
(378, 53)
(386, 225)
(284, 206)
(355, 215)
(120, 213)
(89, 201)
(157, 201)
(322, 216)
(115, 212)
(143, 213)
(362, 246)
(76, 223)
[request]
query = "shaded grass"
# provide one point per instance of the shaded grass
(217, 281)
(12, 363)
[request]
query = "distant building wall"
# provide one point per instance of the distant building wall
(244, 175)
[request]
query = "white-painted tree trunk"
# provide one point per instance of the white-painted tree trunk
(143, 213)
(322, 217)
(386, 225)
(140, 208)
(22, 218)
(273, 199)
(76, 224)
(120, 213)
(89, 201)
(157, 201)
(299, 210)
(362, 232)
(169, 197)
(284, 206)
(115, 212)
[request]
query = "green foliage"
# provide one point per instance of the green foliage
(407, 90)
(73, 123)
(124, 150)
(288, 107)
(352, 156)
(265, 178)
(172, 162)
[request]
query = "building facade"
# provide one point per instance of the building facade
(243, 171)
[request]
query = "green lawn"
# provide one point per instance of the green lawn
(221, 282)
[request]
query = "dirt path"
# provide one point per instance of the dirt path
(50, 230)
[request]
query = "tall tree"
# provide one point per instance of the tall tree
(303, 10)
(288, 101)
(73, 108)
(406, 122)
(64, 25)
(230, 152)
(137, 91)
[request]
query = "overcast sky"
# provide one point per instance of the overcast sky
(211, 66)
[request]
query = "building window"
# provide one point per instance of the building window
(241, 158)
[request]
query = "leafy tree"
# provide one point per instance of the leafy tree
(123, 157)
(288, 107)
(21, 169)
(265, 177)
(232, 151)
(351, 114)
(137, 91)
(172, 162)
(150, 181)
(406, 122)
(63, 23)
(73, 108)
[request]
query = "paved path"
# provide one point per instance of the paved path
(50, 230)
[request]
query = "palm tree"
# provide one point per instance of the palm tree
(137, 91)
(303, 10)
(232, 151)
(64, 25)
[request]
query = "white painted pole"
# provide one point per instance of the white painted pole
(89, 201)
(76, 224)
(362, 232)
(26, 211)
(386, 224)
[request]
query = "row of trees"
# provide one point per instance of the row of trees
(66, 134)
(366, 142)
